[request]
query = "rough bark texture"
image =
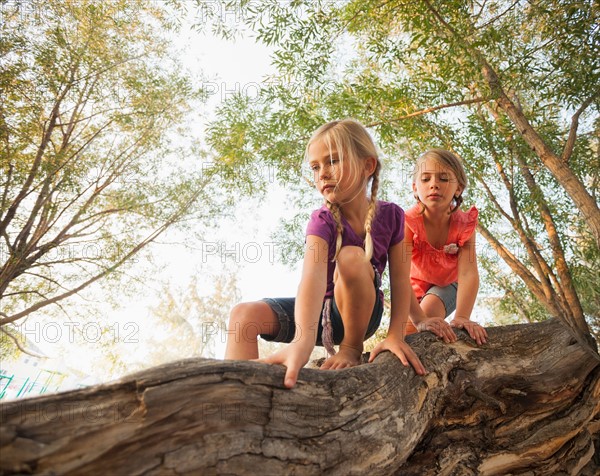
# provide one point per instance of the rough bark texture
(526, 403)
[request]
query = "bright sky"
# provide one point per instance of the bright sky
(243, 244)
(240, 66)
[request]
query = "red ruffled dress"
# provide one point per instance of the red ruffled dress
(436, 266)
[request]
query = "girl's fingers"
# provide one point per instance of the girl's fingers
(406, 355)
(447, 333)
(451, 336)
(417, 364)
(264, 360)
(292, 367)
(402, 357)
(291, 376)
(477, 333)
(375, 352)
(475, 330)
(441, 331)
(409, 358)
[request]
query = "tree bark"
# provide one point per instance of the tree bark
(526, 402)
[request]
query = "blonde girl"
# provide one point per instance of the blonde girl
(348, 243)
(444, 274)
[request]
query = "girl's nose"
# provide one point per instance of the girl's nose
(325, 172)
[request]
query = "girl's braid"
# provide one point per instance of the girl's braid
(371, 212)
(457, 202)
(335, 211)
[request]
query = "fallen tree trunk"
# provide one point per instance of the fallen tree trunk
(527, 402)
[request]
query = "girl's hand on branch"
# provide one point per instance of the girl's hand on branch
(293, 357)
(476, 331)
(439, 327)
(401, 350)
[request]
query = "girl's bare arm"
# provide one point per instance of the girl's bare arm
(468, 287)
(401, 292)
(309, 301)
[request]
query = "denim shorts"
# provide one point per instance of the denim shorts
(447, 294)
(284, 310)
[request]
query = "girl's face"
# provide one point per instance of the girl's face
(435, 185)
(333, 178)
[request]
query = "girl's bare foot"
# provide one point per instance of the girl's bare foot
(346, 357)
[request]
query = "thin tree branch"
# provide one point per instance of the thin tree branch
(6, 184)
(497, 17)
(149, 239)
(430, 109)
(482, 7)
(510, 259)
(16, 342)
(38, 158)
(519, 222)
(570, 145)
(573, 310)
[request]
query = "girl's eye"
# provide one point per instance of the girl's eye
(444, 178)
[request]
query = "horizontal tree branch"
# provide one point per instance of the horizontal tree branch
(430, 109)
(527, 402)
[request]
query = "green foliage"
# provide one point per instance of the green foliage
(413, 72)
(92, 100)
(8, 350)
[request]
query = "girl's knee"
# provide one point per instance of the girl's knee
(245, 312)
(352, 264)
(433, 306)
(252, 318)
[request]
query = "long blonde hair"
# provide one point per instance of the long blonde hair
(449, 160)
(353, 143)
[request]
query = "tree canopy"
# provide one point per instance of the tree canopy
(92, 114)
(512, 88)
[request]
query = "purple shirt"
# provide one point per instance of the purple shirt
(387, 230)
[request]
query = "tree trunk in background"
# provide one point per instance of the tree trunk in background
(527, 402)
